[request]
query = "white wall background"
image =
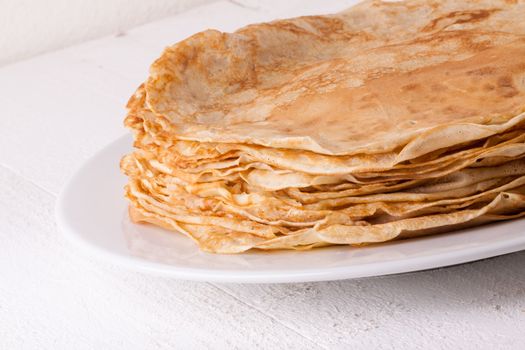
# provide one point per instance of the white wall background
(30, 27)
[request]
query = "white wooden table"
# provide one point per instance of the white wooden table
(59, 108)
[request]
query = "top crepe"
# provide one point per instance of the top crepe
(346, 84)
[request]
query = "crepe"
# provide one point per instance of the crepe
(321, 84)
(388, 120)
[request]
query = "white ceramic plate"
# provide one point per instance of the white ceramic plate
(92, 213)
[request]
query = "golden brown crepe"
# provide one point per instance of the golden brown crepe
(388, 120)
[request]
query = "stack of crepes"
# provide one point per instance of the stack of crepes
(388, 120)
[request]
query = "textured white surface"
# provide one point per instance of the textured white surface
(61, 107)
(30, 27)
